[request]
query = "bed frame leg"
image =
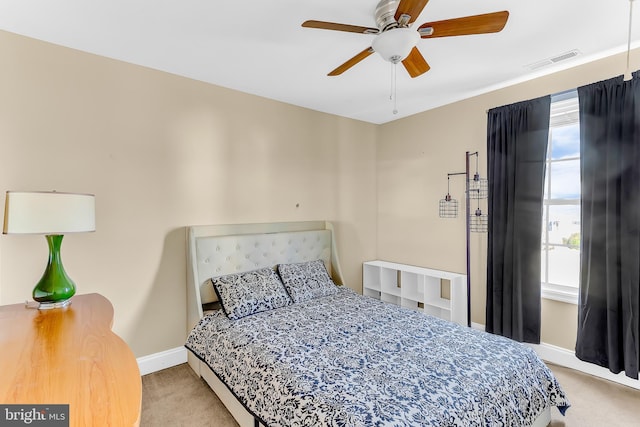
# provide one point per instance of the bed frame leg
(194, 363)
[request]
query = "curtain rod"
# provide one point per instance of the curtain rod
(558, 96)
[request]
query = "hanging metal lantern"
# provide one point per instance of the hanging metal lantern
(448, 206)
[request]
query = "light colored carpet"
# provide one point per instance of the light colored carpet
(176, 397)
(595, 402)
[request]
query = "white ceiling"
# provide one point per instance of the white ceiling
(259, 47)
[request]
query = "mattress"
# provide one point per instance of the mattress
(350, 360)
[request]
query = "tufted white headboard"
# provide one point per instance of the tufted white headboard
(216, 250)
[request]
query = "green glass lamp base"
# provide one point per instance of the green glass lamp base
(55, 288)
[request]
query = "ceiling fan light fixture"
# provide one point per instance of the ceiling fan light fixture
(396, 44)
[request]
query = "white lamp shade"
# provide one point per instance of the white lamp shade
(40, 212)
(396, 44)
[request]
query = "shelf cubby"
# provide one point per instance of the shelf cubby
(435, 292)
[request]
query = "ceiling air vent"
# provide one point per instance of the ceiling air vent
(554, 60)
(564, 56)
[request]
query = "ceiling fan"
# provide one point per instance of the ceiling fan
(396, 42)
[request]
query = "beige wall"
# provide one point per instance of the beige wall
(161, 152)
(414, 156)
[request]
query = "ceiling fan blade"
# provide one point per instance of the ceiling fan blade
(340, 27)
(415, 64)
(413, 8)
(476, 24)
(350, 63)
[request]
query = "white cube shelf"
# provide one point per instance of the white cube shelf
(417, 288)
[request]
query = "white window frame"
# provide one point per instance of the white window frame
(564, 111)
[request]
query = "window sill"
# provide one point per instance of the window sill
(564, 294)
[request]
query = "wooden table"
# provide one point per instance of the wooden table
(70, 356)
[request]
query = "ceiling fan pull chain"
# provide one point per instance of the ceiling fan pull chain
(394, 88)
(393, 70)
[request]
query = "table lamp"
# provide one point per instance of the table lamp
(52, 214)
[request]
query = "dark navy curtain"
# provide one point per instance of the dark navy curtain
(517, 138)
(608, 315)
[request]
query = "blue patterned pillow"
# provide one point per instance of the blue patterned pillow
(251, 292)
(306, 280)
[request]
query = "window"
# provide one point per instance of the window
(561, 208)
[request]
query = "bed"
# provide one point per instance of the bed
(336, 357)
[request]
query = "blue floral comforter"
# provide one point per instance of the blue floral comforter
(349, 360)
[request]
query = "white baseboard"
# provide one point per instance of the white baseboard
(478, 326)
(163, 360)
(567, 358)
